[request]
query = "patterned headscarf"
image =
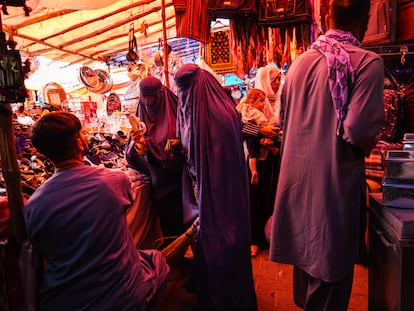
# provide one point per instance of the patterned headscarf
(340, 71)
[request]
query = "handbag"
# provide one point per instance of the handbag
(382, 25)
(232, 8)
(284, 13)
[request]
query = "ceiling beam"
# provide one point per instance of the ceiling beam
(55, 47)
(77, 26)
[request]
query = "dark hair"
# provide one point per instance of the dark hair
(55, 135)
(347, 13)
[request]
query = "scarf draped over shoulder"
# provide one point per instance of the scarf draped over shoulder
(340, 70)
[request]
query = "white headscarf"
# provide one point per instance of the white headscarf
(264, 77)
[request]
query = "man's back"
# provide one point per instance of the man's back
(78, 219)
(321, 177)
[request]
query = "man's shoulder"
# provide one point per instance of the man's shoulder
(113, 175)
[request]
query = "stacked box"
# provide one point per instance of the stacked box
(398, 187)
(408, 141)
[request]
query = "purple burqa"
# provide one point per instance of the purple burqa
(210, 132)
(165, 168)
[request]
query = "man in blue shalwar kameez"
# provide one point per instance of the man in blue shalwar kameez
(78, 220)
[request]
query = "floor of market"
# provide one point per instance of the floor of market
(273, 283)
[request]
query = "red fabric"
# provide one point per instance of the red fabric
(193, 23)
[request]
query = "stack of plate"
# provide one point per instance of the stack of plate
(96, 81)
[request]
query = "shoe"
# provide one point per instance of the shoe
(253, 250)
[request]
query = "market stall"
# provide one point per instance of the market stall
(105, 48)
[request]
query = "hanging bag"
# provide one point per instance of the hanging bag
(382, 25)
(232, 8)
(284, 13)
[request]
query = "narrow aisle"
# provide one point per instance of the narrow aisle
(274, 287)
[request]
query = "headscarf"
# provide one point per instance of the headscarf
(212, 141)
(340, 71)
(264, 78)
(149, 86)
(159, 118)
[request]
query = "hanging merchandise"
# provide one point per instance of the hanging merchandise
(284, 13)
(232, 8)
(54, 94)
(382, 23)
(405, 20)
(393, 130)
(132, 54)
(399, 89)
(193, 22)
(22, 3)
(96, 81)
(113, 103)
(12, 89)
(136, 71)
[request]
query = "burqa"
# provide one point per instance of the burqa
(164, 168)
(210, 131)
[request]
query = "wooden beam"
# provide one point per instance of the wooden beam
(108, 28)
(109, 39)
(55, 47)
(37, 19)
(119, 50)
(77, 26)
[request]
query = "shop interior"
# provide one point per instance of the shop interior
(94, 72)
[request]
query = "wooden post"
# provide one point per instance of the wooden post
(11, 174)
(164, 34)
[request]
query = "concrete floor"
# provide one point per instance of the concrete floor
(274, 289)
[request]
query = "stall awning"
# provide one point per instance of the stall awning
(87, 32)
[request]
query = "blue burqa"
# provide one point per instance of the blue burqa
(210, 131)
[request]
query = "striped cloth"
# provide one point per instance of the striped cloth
(193, 23)
(250, 129)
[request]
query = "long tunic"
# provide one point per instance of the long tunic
(319, 207)
(78, 220)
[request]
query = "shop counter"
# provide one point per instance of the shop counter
(391, 257)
